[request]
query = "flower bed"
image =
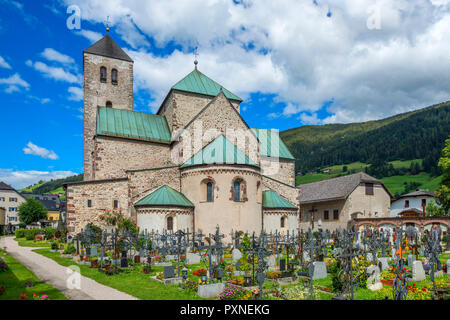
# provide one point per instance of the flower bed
(233, 292)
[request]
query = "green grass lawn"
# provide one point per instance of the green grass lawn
(132, 281)
(31, 243)
(395, 184)
(15, 278)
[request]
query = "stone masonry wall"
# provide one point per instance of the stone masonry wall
(97, 94)
(102, 194)
(287, 191)
(279, 169)
(113, 156)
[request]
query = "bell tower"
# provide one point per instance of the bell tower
(108, 82)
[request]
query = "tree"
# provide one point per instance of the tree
(443, 194)
(433, 210)
(31, 210)
(344, 169)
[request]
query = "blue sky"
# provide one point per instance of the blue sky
(312, 63)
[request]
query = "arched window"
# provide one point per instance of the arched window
(108, 104)
(237, 190)
(282, 222)
(209, 192)
(102, 74)
(170, 223)
(114, 76)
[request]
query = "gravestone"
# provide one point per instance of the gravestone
(282, 265)
(171, 257)
(236, 254)
(411, 259)
(320, 270)
(439, 273)
(448, 266)
(384, 263)
(418, 273)
(210, 290)
(192, 258)
(271, 262)
(124, 260)
(93, 252)
(169, 272)
(373, 270)
(369, 257)
(88, 251)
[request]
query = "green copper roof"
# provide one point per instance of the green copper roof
(219, 151)
(165, 196)
(270, 147)
(130, 124)
(197, 82)
(271, 199)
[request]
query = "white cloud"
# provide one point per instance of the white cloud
(21, 179)
(56, 73)
(76, 93)
(39, 151)
(92, 36)
(4, 64)
(13, 83)
(298, 53)
(53, 55)
(309, 118)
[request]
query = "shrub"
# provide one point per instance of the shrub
(49, 233)
(30, 234)
(20, 233)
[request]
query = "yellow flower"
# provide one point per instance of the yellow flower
(199, 280)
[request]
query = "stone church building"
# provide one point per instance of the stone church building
(194, 164)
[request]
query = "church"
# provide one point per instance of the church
(194, 164)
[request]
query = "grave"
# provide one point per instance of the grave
(384, 263)
(210, 290)
(448, 266)
(236, 254)
(418, 273)
(369, 257)
(192, 258)
(271, 262)
(411, 259)
(170, 257)
(169, 272)
(320, 270)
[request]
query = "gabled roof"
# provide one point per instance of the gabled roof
(273, 200)
(418, 193)
(131, 124)
(4, 186)
(335, 189)
(219, 151)
(165, 196)
(197, 82)
(271, 144)
(106, 47)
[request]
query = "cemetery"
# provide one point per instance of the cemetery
(369, 264)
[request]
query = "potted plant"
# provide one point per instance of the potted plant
(201, 273)
(387, 277)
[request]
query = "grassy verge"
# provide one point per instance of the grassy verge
(14, 279)
(31, 243)
(132, 281)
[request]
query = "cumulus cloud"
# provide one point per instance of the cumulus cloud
(53, 55)
(21, 179)
(4, 64)
(92, 36)
(56, 73)
(39, 151)
(372, 58)
(76, 93)
(13, 83)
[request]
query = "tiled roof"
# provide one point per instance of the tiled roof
(131, 124)
(197, 82)
(418, 193)
(106, 47)
(273, 200)
(271, 144)
(4, 186)
(219, 151)
(334, 189)
(165, 196)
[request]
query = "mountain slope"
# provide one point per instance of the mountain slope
(53, 186)
(419, 134)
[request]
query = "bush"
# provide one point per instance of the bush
(20, 233)
(30, 234)
(49, 233)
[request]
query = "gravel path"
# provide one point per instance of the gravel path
(53, 273)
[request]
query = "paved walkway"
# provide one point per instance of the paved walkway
(57, 275)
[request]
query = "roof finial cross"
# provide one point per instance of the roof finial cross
(107, 24)
(196, 56)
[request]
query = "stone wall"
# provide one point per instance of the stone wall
(331, 223)
(97, 94)
(287, 191)
(219, 118)
(102, 195)
(279, 169)
(155, 219)
(180, 107)
(113, 156)
(272, 220)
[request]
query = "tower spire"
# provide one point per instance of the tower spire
(107, 24)
(196, 56)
